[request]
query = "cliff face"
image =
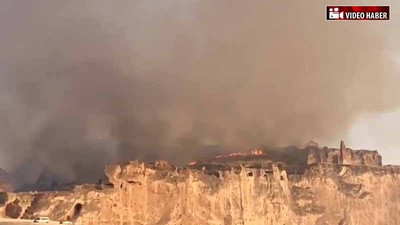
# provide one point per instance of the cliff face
(257, 192)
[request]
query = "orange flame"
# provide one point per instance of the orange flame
(257, 152)
(252, 152)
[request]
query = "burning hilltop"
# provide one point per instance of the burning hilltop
(295, 159)
(231, 156)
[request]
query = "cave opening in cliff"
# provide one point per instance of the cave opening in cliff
(77, 211)
(13, 210)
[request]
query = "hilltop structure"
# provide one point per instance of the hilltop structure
(344, 156)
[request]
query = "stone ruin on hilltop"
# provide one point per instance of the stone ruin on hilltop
(344, 156)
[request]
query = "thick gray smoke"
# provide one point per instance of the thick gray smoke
(83, 83)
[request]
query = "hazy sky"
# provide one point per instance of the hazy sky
(83, 83)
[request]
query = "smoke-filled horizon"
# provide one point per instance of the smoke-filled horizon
(84, 83)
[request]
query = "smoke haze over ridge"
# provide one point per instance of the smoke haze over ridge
(85, 83)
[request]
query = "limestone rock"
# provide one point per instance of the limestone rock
(246, 191)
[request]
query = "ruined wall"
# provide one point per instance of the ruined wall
(344, 156)
(361, 157)
(325, 155)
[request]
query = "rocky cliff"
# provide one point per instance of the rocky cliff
(320, 187)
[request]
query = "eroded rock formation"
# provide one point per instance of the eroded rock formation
(345, 187)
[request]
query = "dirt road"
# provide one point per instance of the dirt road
(23, 222)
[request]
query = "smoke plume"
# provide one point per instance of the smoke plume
(88, 82)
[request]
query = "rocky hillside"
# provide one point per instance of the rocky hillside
(297, 186)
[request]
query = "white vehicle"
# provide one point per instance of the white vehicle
(42, 219)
